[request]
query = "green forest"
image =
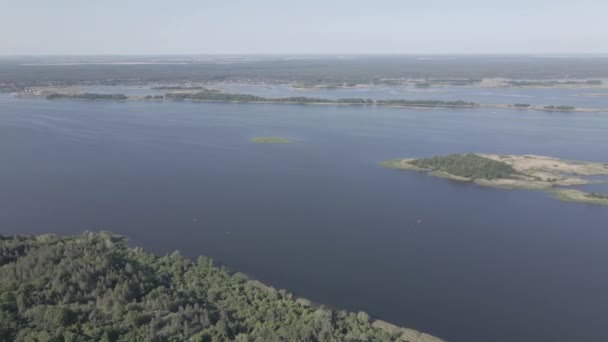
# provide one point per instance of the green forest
(93, 287)
(427, 103)
(560, 108)
(467, 165)
(87, 96)
(217, 96)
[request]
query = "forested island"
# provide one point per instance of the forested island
(210, 95)
(93, 287)
(560, 108)
(554, 83)
(551, 108)
(86, 96)
(529, 172)
(228, 97)
(213, 95)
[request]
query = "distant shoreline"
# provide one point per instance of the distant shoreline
(390, 103)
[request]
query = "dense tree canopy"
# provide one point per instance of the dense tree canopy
(93, 288)
(426, 103)
(87, 96)
(217, 96)
(560, 108)
(467, 165)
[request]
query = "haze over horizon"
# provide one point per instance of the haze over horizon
(68, 27)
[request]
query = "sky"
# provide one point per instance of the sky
(134, 27)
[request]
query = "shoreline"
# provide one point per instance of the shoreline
(528, 172)
(540, 108)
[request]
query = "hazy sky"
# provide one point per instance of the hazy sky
(310, 26)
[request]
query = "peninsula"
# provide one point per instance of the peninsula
(529, 172)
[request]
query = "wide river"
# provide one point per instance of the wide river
(320, 217)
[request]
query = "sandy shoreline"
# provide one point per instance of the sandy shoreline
(533, 172)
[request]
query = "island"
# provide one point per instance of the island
(203, 94)
(529, 172)
(94, 287)
(87, 96)
(270, 140)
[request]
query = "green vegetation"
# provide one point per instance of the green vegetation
(225, 97)
(270, 140)
(532, 83)
(313, 71)
(215, 96)
(426, 103)
(560, 108)
(93, 288)
(182, 88)
(154, 97)
(467, 165)
(454, 82)
(597, 195)
(521, 105)
(528, 172)
(87, 96)
(551, 83)
(422, 84)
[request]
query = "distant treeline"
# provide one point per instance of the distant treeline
(87, 96)
(554, 108)
(597, 195)
(559, 108)
(154, 97)
(552, 83)
(217, 96)
(182, 88)
(426, 103)
(456, 82)
(329, 70)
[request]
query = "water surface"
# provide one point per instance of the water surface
(319, 216)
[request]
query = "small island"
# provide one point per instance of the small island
(87, 96)
(529, 172)
(270, 140)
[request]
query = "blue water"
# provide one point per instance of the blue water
(320, 217)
